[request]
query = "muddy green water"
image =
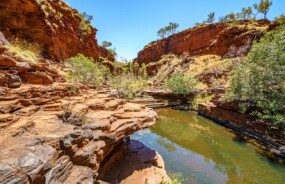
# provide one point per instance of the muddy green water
(205, 153)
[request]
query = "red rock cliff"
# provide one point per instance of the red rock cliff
(52, 24)
(217, 39)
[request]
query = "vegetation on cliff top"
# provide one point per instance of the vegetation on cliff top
(168, 30)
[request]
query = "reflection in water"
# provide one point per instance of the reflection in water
(170, 146)
(207, 153)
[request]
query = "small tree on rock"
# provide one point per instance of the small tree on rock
(87, 17)
(246, 13)
(106, 44)
(168, 30)
(211, 18)
(263, 7)
(161, 33)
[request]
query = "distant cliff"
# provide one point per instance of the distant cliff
(214, 39)
(60, 30)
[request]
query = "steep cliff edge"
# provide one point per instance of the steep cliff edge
(58, 29)
(215, 39)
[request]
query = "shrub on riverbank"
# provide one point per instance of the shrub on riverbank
(181, 84)
(261, 80)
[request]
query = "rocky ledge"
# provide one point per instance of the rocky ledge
(63, 133)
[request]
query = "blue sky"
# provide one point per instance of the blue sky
(131, 24)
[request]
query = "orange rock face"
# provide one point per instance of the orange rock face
(51, 135)
(215, 39)
(52, 24)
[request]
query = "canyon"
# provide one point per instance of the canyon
(210, 53)
(54, 130)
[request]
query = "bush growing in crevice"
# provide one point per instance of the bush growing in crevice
(24, 50)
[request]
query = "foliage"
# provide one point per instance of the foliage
(113, 52)
(135, 67)
(211, 18)
(106, 44)
(181, 84)
(246, 13)
(87, 17)
(144, 71)
(280, 19)
(230, 17)
(86, 71)
(85, 27)
(261, 80)
(201, 99)
(168, 30)
(128, 86)
(26, 51)
(263, 7)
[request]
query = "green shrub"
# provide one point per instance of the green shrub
(85, 26)
(128, 86)
(261, 80)
(24, 50)
(181, 84)
(84, 70)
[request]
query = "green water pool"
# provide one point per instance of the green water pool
(205, 153)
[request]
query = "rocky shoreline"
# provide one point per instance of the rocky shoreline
(257, 132)
(55, 140)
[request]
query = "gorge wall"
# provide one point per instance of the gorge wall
(214, 39)
(57, 28)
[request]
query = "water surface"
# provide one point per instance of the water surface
(205, 153)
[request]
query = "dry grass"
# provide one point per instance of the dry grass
(208, 63)
(25, 51)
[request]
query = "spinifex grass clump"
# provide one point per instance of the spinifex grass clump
(24, 50)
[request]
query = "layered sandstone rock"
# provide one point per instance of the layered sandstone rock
(15, 71)
(52, 135)
(52, 24)
(214, 39)
(139, 160)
